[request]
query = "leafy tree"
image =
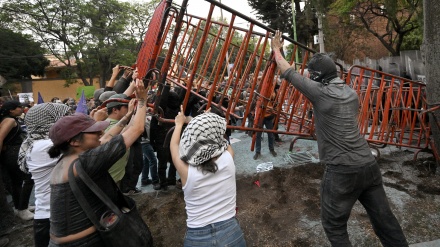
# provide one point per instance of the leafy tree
(346, 41)
(278, 14)
(20, 56)
(399, 18)
(97, 34)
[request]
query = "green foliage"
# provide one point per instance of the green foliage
(278, 14)
(105, 32)
(69, 75)
(20, 56)
(343, 7)
(390, 21)
(413, 40)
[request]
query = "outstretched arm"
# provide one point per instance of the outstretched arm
(137, 125)
(181, 166)
(111, 82)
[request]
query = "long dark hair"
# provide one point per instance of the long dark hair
(64, 148)
(208, 166)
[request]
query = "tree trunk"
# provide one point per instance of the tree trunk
(431, 56)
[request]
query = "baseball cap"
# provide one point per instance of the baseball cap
(123, 100)
(98, 93)
(11, 105)
(69, 126)
(106, 95)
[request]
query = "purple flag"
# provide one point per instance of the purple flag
(40, 99)
(82, 104)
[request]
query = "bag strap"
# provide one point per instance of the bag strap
(95, 189)
(81, 198)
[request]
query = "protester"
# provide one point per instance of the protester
(268, 119)
(11, 137)
(204, 160)
(56, 100)
(352, 172)
(34, 158)
(169, 102)
(116, 111)
(79, 139)
(150, 160)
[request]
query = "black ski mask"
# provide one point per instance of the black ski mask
(322, 68)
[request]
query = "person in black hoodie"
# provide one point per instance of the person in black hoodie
(170, 103)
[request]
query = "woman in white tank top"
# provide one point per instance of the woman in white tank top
(204, 160)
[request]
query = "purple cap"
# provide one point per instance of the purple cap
(69, 126)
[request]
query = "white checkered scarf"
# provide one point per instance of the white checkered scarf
(203, 139)
(38, 120)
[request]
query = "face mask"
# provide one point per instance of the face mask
(314, 75)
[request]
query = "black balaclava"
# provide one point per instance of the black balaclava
(322, 68)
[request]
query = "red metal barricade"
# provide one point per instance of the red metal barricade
(231, 68)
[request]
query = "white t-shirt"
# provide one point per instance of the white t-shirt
(40, 166)
(211, 197)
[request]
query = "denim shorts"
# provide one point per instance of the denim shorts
(223, 233)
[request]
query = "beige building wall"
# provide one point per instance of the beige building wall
(55, 88)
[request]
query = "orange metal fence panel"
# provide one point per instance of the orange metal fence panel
(229, 66)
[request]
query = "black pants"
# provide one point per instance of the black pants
(164, 156)
(341, 187)
(134, 167)
(41, 232)
(21, 183)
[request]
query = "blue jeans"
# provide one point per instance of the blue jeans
(223, 233)
(341, 187)
(268, 123)
(150, 163)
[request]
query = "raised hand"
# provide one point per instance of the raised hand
(180, 118)
(140, 91)
(276, 42)
(131, 106)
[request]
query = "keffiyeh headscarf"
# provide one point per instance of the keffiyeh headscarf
(203, 139)
(38, 120)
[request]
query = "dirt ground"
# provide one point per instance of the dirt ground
(283, 210)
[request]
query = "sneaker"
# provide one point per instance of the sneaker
(156, 186)
(257, 156)
(136, 191)
(31, 208)
(146, 182)
(24, 214)
(4, 241)
(274, 154)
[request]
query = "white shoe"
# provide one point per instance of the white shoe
(31, 208)
(25, 214)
